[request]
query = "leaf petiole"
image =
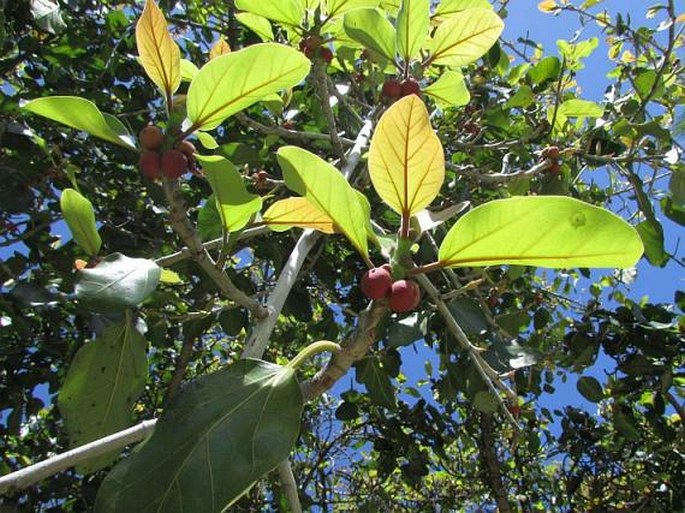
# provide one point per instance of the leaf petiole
(312, 350)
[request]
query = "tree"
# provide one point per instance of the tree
(353, 187)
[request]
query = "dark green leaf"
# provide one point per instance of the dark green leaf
(485, 402)
(219, 435)
(590, 389)
(547, 69)
(469, 315)
(408, 330)
(652, 236)
(376, 380)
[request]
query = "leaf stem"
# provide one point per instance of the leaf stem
(428, 268)
(312, 350)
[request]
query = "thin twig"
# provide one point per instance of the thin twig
(476, 173)
(321, 82)
(285, 133)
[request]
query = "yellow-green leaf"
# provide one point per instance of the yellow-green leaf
(449, 90)
(188, 70)
(290, 12)
(297, 212)
(221, 47)
(543, 231)
(82, 114)
(338, 7)
(159, 53)
(324, 186)
(80, 217)
(234, 81)
(548, 6)
(257, 24)
(235, 205)
(372, 30)
(406, 160)
(447, 8)
(413, 21)
(170, 277)
(465, 37)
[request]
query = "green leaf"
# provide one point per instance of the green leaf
(218, 436)
(523, 97)
(102, 385)
(449, 90)
(576, 108)
(544, 231)
(465, 37)
(374, 377)
(447, 8)
(652, 236)
(290, 12)
(117, 283)
(413, 22)
(207, 141)
(408, 330)
(485, 402)
(469, 315)
(338, 7)
(547, 69)
(590, 389)
(372, 30)
(231, 82)
(188, 70)
(324, 186)
(235, 205)
(676, 186)
(625, 424)
(81, 114)
(80, 217)
(257, 24)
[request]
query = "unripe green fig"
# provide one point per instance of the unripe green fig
(405, 295)
(151, 138)
(376, 282)
(150, 164)
(174, 163)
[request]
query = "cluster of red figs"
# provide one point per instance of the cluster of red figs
(403, 295)
(393, 89)
(311, 46)
(156, 162)
(552, 153)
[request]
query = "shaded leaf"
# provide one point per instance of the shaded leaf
(549, 231)
(218, 436)
(449, 90)
(590, 389)
(117, 283)
(374, 377)
(652, 236)
(299, 212)
(465, 37)
(413, 22)
(469, 315)
(80, 217)
(408, 330)
(485, 402)
(406, 160)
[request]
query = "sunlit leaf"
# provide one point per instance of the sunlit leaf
(543, 231)
(257, 24)
(170, 277)
(188, 70)
(324, 186)
(221, 47)
(80, 217)
(548, 6)
(235, 205)
(159, 53)
(338, 7)
(230, 83)
(413, 21)
(104, 381)
(218, 436)
(465, 37)
(372, 30)
(406, 161)
(447, 8)
(449, 90)
(81, 114)
(290, 12)
(297, 212)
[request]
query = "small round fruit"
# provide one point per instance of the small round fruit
(555, 168)
(187, 148)
(551, 152)
(309, 45)
(326, 55)
(404, 296)
(174, 163)
(376, 283)
(392, 89)
(410, 86)
(151, 138)
(150, 164)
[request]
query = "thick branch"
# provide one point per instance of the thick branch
(321, 82)
(27, 476)
(287, 478)
(491, 466)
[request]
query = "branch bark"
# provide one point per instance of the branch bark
(491, 466)
(285, 133)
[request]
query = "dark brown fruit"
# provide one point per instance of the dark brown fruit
(376, 283)
(404, 296)
(410, 86)
(309, 45)
(151, 138)
(555, 168)
(392, 89)
(187, 148)
(150, 164)
(174, 163)
(551, 152)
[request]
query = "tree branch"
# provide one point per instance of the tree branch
(321, 82)
(285, 133)
(477, 174)
(491, 466)
(287, 478)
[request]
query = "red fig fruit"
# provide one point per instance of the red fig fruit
(326, 54)
(376, 282)
(151, 138)
(404, 296)
(551, 152)
(174, 163)
(409, 86)
(187, 148)
(150, 164)
(392, 89)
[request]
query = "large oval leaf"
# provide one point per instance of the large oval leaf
(117, 283)
(413, 21)
(81, 114)
(80, 217)
(447, 8)
(103, 382)
(230, 83)
(406, 160)
(159, 53)
(235, 205)
(543, 231)
(338, 7)
(372, 30)
(299, 212)
(449, 90)
(218, 436)
(290, 12)
(324, 186)
(465, 37)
